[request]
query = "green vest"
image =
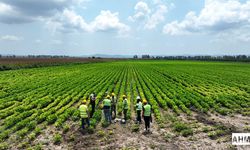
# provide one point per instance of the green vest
(83, 111)
(106, 102)
(139, 106)
(147, 110)
(125, 104)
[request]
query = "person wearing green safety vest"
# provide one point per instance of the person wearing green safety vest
(84, 114)
(147, 115)
(107, 109)
(125, 107)
(138, 109)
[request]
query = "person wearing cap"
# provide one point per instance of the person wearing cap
(107, 108)
(92, 102)
(84, 114)
(125, 107)
(113, 104)
(146, 115)
(138, 107)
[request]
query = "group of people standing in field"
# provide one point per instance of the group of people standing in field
(109, 105)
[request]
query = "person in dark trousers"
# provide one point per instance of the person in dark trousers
(107, 109)
(138, 109)
(113, 104)
(147, 115)
(125, 107)
(84, 113)
(92, 102)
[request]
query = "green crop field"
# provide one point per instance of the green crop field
(191, 101)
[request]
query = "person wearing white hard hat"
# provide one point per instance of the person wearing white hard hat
(138, 107)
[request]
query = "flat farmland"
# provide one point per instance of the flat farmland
(196, 105)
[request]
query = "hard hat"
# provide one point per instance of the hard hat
(145, 101)
(123, 96)
(123, 121)
(138, 97)
(113, 94)
(84, 101)
(108, 96)
(101, 106)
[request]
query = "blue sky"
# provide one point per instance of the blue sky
(156, 27)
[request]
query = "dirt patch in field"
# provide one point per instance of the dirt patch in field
(46, 139)
(202, 125)
(238, 121)
(119, 136)
(234, 123)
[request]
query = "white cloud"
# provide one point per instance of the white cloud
(73, 19)
(107, 21)
(149, 17)
(10, 38)
(216, 16)
(9, 15)
(60, 15)
(26, 11)
(5, 8)
(142, 7)
(177, 28)
(69, 21)
(142, 12)
(157, 17)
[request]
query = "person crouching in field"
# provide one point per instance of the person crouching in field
(138, 107)
(147, 115)
(84, 113)
(107, 109)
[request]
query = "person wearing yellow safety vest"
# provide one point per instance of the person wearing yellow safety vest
(84, 113)
(146, 115)
(125, 107)
(138, 109)
(113, 104)
(107, 108)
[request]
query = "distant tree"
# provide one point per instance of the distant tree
(242, 57)
(135, 57)
(159, 57)
(205, 57)
(145, 57)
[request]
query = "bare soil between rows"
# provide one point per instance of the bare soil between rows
(121, 136)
